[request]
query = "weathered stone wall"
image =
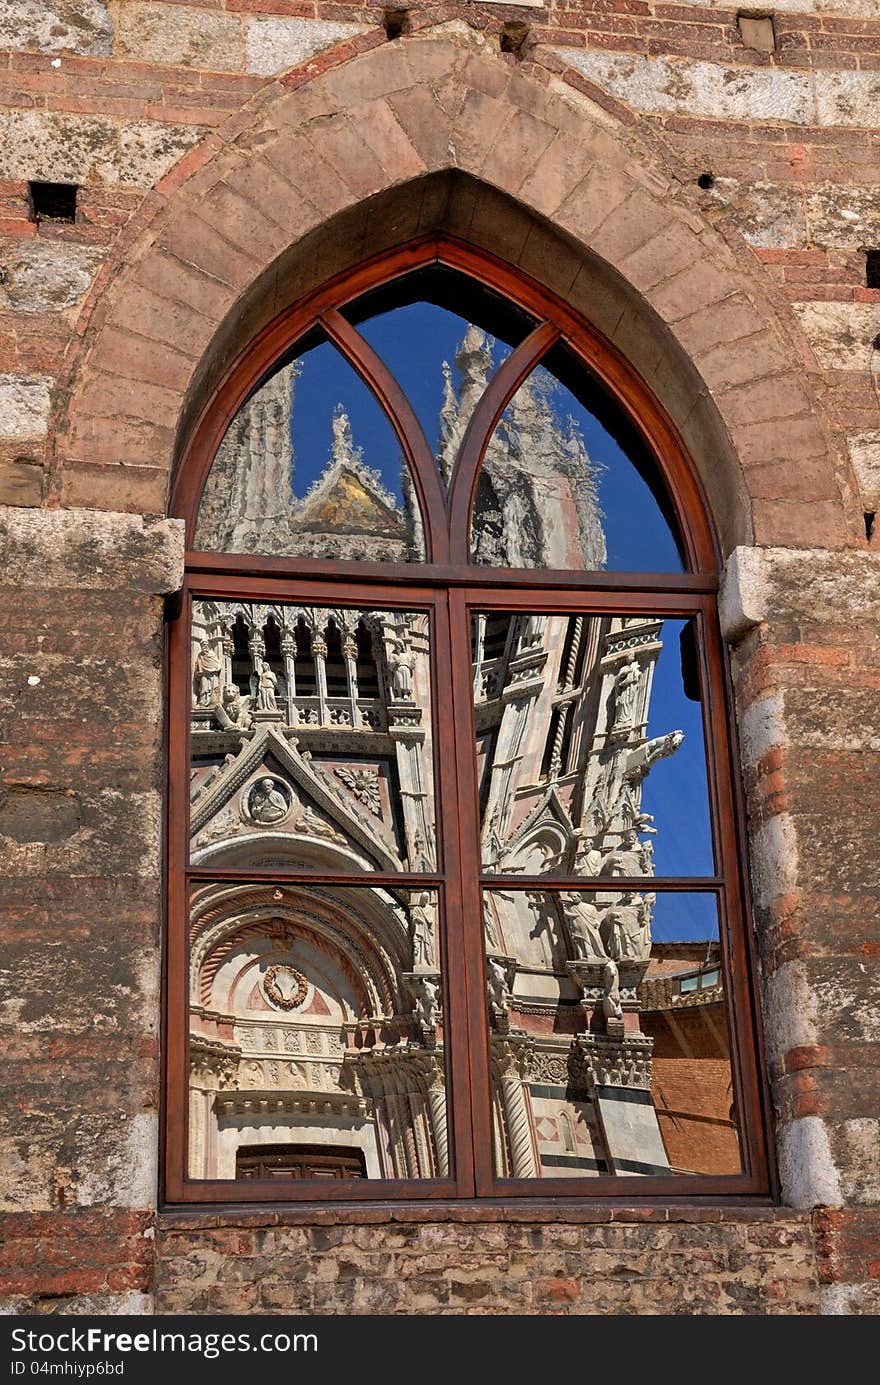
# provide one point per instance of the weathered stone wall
(647, 1261)
(81, 731)
(749, 312)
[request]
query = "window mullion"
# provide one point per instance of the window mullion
(467, 857)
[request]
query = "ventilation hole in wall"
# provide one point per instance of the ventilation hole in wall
(870, 516)
(872, 268)
(395, 23)
(706, 181)
(513, 36)
(53, 201)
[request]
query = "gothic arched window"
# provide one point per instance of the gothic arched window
(455, 906)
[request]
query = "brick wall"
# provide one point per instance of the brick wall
(136, 101)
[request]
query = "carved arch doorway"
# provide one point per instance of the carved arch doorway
(423, 776)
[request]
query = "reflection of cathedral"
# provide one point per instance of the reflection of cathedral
(317, 1012)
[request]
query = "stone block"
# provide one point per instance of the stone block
(180, 36)
(40, 276)
(24, 406)
(841, 334)
(272, 45)
(91, 549)
(696, 88)
(57, 26)
(58, 147)
(864, 454)
(21, 483)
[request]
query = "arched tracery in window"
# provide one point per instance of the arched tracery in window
(455, 907)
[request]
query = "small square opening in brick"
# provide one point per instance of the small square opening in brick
(395, 23)
(872, 269)
(53, 201)
(757, 32)
(513, 36)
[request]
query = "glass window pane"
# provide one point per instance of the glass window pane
(311, 467)
(609, 1040)
(316, 1045)
(442, 336)
(590, 750)
(567, 482)
(312, 744)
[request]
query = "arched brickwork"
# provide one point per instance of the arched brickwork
(381, 141)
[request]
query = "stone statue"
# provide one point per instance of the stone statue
(626, 859)
(427, 1006)
(266, 803)
(626, 691)
(624, 930)
(208, 667)
(489, 926)
(235, 710)
(611, 1006)
(584, 926)
(267, 684)
(422, 920)
(400, 664)
(496, 983)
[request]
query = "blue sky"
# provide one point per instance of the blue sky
(414, 341)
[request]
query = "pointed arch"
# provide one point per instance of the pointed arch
(244, 228)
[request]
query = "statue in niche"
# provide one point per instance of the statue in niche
(267, 687)
(422, 920)
(489, 925)
(624, 928)
(268, 801)
(584, 925)
(208, 667)
(422, 860)
(496, 984)
(626, 691)
(427, 1006)
(611, 1006)
(401, 663)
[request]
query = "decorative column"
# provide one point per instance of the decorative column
(516, 1115)
(288, 654)
(319, 654)
(349, 654)
(437, 1111)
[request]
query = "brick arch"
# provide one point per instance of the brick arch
(439, 130)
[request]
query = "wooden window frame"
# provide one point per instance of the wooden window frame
(448, 587)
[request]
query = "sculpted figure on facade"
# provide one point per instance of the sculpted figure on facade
(267, 685)
(207, 670)
(626, 691)
(422, 926)
(267, 802)
(401, 662)
(427, 1003)
(626, 932)
(584, 922)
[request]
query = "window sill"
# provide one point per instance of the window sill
(539, 1212)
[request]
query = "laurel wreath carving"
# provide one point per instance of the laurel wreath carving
(273, 991)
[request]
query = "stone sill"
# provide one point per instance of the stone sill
(542, 1213)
